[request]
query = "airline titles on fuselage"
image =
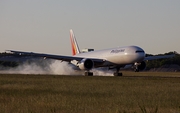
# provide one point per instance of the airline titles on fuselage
(117, 50)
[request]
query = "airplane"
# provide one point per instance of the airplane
(112, 58)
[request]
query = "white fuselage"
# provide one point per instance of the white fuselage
(118, 55)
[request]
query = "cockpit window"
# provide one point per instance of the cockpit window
(139, 51)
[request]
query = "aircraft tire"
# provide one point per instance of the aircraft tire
(136, 70)
(118, 74)
(88, 73)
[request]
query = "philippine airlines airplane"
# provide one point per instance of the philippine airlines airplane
(113, 58)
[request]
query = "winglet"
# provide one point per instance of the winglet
(74, 45)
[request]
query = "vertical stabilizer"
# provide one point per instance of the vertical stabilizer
(74, 44)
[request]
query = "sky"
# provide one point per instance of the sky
(43, 25)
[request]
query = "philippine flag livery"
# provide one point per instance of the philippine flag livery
(74, 45)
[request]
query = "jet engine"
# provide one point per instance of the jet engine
(86, 64)
(139, 66)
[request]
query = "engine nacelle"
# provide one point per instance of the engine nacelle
(86, 64)
(140, 66)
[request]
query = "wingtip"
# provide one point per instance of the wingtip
(71, 30)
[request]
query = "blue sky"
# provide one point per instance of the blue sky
(43, 25)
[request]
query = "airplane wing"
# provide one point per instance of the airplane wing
(56, 57)
(158, 57)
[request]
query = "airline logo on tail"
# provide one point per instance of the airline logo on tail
(74, 45)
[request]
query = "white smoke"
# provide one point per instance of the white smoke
(63, 68)
(102, 72)
(26, 68)
(54, 67)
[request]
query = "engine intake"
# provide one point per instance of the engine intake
(86, 64)
(142, 66)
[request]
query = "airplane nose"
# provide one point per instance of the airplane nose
(140, 55)
(136, 54)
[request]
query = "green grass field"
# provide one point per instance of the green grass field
(143, 92)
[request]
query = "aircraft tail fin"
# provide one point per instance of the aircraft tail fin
(74, 44)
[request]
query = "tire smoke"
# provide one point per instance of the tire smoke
(54, 67)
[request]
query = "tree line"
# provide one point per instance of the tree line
(160, 62)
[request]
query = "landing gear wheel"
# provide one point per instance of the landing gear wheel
(118, 74)
(136, 70)
(88, 73)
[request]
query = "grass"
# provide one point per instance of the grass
(133, 93)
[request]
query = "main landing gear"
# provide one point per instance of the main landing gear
(117, 72)
(87, 73)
